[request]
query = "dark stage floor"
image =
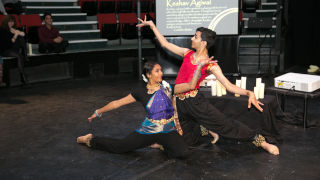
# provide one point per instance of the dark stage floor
(39, 126)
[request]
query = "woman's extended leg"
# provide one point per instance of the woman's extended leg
(131, 142)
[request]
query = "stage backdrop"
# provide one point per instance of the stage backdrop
(182, 17)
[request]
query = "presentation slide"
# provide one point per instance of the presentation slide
(182, 17)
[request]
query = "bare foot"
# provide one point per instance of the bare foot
(155, 146)
(215, 137)
(272, 149)
(84, 139)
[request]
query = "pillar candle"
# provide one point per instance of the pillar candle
(30, 48)
(243, 82)
(261, 90)
(213, 88)
(238, 83)
(223, 90)
(219, 91)
(258, 82)
(255, 90)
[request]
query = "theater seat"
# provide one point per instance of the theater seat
(109, 28)
(31, 23)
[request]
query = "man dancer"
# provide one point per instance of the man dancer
(192, 107)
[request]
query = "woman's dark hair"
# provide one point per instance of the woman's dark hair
(6, 20)
(207, 35)
(148, 66)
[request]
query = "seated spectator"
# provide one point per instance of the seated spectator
(12, 44)
(50, 40)
(2, 9)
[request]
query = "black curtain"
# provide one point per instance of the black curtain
(302, 32)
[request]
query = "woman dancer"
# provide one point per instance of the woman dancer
(158, 126)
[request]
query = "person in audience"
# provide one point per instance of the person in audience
(12, 44)
(50, 40)
(191, 104)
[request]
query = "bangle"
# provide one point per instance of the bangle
(96, 113)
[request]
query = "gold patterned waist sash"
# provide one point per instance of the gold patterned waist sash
(161, 121)
(191, 93)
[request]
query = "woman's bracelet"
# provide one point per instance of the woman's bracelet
(97, 114)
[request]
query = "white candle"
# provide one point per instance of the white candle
(261, 91)
(255, 90)
(30, 48)
(203, 83)
(243, 82)
(219, 91)
(213, 88)
(223, 90)
(258, 82)
(238, 83)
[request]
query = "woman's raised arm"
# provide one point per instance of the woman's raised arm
(162, 40)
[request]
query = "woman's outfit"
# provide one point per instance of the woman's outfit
(157, 127)
(193, 108)
(17, 49)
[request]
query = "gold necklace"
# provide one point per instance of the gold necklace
(152, 88)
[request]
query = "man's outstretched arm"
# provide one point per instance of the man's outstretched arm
(216, 70)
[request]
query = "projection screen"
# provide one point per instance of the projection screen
(182, 17)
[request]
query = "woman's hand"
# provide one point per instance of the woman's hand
(145, 23)
(252, 100)
(92, 117)
(21, 33)
(13, 31)
(17, 32)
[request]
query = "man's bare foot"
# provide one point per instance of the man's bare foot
(84, 139)
(215, 137)
(272, 149)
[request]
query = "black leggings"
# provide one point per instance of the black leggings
(173, 144)
(198, 110)
(19, 51)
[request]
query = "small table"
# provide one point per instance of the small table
(305, 95)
